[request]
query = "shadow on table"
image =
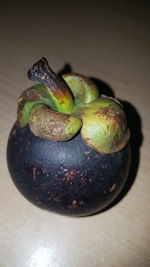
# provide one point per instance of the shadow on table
(135, 126)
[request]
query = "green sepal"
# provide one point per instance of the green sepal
(104, 126)
(83, 89)
(37, 94)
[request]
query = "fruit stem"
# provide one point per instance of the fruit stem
(58, 89)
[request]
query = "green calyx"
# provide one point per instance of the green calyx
(56, 109)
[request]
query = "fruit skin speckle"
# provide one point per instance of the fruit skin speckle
(65, 177)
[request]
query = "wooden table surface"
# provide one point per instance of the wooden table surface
(106, 40)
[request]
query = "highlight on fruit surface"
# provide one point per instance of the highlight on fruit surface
(58, 108)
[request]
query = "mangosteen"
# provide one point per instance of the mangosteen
(68, 151)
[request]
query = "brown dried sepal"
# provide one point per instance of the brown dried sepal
(51, 125)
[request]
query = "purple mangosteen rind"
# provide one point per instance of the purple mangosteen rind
(65, 177)
(68, 151)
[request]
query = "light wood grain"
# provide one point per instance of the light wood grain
(108, 40)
